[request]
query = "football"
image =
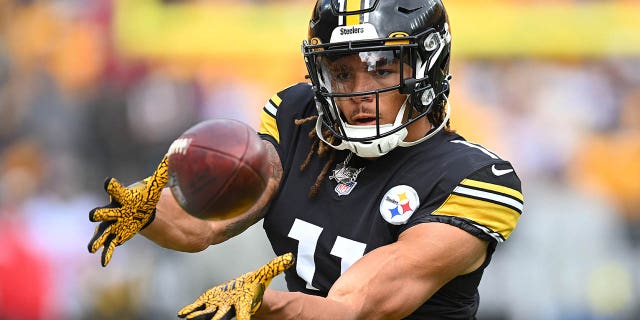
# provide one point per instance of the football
(218, 169)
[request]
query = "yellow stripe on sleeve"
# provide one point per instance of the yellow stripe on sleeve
(495, 217)
(493, 187)
(276, 100)
(268, 124)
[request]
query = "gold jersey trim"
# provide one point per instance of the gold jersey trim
(268, 123)
(493, 208)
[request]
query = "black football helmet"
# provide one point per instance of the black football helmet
(379, 32)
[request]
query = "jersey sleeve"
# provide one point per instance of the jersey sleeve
(268, 126)
(487, 203)
(278, 114)
(278, 119)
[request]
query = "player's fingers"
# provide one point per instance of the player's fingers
(274, 267)
(222, 312)
(158, 180)
(116, 190)
(186, 310)
(206, 313)
(107, 252)
(161, 175)
(99, 236)
(205, 316)
(107, 213)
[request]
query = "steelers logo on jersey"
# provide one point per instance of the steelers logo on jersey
(398, 204)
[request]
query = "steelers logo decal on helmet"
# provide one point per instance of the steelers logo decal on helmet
(398, 204)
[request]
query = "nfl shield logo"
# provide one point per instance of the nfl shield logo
(343, 189)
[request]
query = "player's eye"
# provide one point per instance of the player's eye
(341, 73)
(383, 72)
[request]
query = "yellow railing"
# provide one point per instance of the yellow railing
(481, 29)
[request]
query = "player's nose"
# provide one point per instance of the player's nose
(363, 83)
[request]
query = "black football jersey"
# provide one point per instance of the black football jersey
(444, 179)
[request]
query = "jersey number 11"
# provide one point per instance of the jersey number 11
(307, 234)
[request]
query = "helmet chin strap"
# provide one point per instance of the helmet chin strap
(434, 132)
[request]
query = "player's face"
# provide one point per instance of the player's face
(363, 72)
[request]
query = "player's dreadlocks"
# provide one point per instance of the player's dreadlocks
(438, 114)
(321, 149)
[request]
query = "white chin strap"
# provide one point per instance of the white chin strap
(433, 133)
(381, 146)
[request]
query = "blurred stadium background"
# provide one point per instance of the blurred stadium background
(90, 89)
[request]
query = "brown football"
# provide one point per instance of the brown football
(218, 169)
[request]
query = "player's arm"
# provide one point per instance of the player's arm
(389, 282)
(392, 281)
(175, 229)
(147, 207)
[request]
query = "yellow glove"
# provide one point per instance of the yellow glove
(243, 293)
(129, 211)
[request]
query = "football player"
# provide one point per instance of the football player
(376, 207)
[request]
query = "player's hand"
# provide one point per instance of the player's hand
(130, 209)
(243, 293)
